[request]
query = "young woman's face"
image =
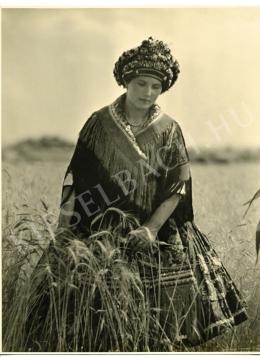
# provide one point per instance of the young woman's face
(143, 91)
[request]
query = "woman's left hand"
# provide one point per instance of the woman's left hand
(141, 239)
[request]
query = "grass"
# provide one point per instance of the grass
(83, 296)
(74, 282)
(30, 206)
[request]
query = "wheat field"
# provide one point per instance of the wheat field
(219, 192)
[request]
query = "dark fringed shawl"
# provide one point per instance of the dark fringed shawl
(152, 165)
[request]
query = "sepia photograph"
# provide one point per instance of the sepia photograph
(131, 179)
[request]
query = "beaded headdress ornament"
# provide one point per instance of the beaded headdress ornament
(152, 58)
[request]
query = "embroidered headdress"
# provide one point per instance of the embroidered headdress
(152, 58)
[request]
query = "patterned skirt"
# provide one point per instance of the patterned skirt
(192, 295)
(177, 295)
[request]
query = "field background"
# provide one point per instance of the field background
(219, 191)
(58, 69)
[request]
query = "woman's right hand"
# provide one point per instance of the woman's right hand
(140, 239)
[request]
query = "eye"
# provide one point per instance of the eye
(141, 83)
(157, 86)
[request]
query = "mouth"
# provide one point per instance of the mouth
(145, 101)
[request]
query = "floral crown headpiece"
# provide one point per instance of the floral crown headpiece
(152, 58)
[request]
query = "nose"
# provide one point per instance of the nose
(148, 91)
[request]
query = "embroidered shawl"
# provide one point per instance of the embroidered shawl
(113, 167)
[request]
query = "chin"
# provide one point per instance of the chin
(145, 105)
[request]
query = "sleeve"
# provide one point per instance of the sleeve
(67, 182)
(182, 190)
(76, 168)
(177, 168)
(76, 160)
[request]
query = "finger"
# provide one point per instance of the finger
(133, 240)
(132, 244)
(136, 244)
(142, 246)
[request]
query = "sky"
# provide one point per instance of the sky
(57, 69)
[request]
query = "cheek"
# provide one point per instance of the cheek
(134, 93)
(156, 93)
(138, 92)
(131, 91)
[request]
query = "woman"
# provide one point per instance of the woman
(132, 156)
